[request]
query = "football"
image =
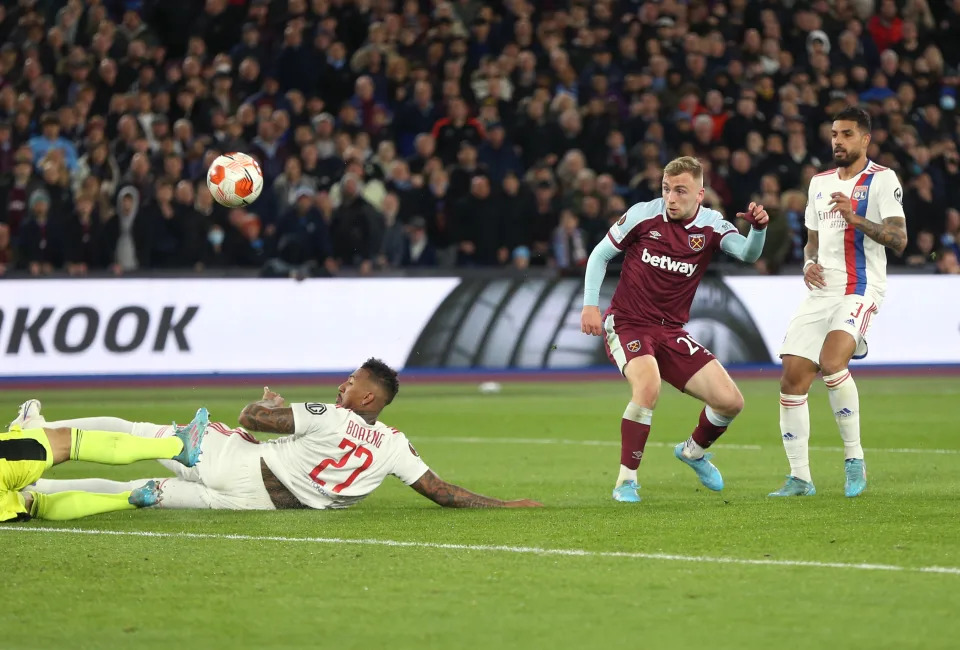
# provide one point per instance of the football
(235, 179)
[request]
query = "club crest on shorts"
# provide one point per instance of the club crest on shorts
(633, 346)
(697, 241)
(623, 219)
(859, 192)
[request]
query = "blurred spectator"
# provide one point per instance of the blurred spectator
(303, 237)
(289, 184)
(6, 254)
(15, 193)
(922, 253)
(394, 235)
(51, 140)
(520, 258)
(83, 238)
(497, 154)
(415, 117)
(418, 251)
(127, 234)
(569, 242)
(458, 127)
(947, 262)
(356, 228)
(41, 239)
(480, 227)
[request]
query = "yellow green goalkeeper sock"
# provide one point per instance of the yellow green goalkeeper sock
(73, 505)
(112, 448)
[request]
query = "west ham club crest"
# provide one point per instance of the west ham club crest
(697, 241)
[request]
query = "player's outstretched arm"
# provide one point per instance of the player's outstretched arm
(747, 249)
(449, 495)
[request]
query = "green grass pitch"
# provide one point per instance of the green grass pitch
(671, 572)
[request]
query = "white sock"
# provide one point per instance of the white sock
(96, 424)
(845, 402)
(98, 485)
(795, 431)
(692, 450)
(178, 494)
(626, 474)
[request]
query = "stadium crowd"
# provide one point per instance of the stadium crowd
(451, 132)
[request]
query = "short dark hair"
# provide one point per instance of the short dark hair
(855, 114)
(384, 376)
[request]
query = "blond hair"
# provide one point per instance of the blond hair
(685, 165)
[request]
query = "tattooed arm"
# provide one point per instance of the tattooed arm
(266, 417)
(449, 495)
(892, 233)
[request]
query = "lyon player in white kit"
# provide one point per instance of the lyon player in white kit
(333, 456)
(853, 213)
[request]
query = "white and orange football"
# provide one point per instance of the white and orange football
(235, 179)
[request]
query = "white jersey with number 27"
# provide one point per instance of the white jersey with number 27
(335, 458)
(853, 263)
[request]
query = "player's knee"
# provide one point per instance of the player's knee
(730, 403)
(832, 364)
(645, 391)
(644, 377)
(796, 380)
(793, 386)
(645, 395)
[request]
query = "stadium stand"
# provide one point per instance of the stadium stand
(450, 134)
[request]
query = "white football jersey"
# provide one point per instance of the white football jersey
(853, 263)
(335, 458)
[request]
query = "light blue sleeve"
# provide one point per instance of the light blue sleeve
(746, 249)
(597, 270)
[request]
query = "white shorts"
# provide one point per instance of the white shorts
(819, 315)
(228, 471)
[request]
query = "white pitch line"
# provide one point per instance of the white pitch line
(523, 550)
(614, 443)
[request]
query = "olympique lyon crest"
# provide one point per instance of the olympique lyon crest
(697, 241)
(859, 193)
(633, 346)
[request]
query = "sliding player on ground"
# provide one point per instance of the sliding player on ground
(331, 456)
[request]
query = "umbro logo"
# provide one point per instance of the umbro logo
(789, 436)
(843, 413)
(638, 455)
(654, 234)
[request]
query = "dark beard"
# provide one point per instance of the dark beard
(847, 160)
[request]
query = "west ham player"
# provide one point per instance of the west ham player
(853, 213)
(668, 244)
(333, 456)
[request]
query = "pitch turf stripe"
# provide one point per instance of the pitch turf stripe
(720, 446)
(523, 550)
